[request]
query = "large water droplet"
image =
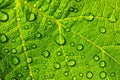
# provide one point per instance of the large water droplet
(71, 62)
(96, 58)
(102, 30)
(29, 60)
(57, 65)
(3, 38)
(66, 73)
(79, 47)
(102, 64)
(14, 51)
(15, 60)
(103, 74)
(46, 54)
(3, 16)
(89, 74)
(89, 17)
(60, 39)
(30, 16)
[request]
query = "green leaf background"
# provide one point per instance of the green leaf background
(59, 40)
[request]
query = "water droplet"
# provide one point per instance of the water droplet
(52, 75)
(87, 65)
(34, 46)
(37, 70)
(14, 51)
(89, 74)
(71, 62)
(102, 64)
(6, 50)
(44, 66)
(26, 68)
(3, 16)
(77, 0)
(81, 74)
(66, 73)
(71, 9)
(19, 75)
(29, 60)
(71, 54)
(3, 38)
(59, 53)
(75, 10)
(112, 74)
(18, 19)
(102, 30)
(13, 40)
(72, 44)
(30, 16)
(83, 56)
(103, 74)
(60, 39)
(13, 78)
(79, 47)
(57, 65)
(46, 54)
(67, 29)
(96, 58)
(15, 60)
(89, 17)
(38, 35)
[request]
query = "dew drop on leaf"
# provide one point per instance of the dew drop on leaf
(67, 29)
(82, 56)
(60, 39)
(15, 60)
(3, 38)
(102, 64)
(96, 58)
(89, 75)
(37, 70)
(79, 47)
(102, 30)
(38, 35)
(14, 51)
(71, 9)
(59, 53)
(3, 16)
(112, 20)
(75, 10)
(112, 74)
(19, 75)
(72, 44)
(34, 46)
(89, 17)
(66, 73)
(57, 65)
(29, 60)
(30, 16)
(46, 54)
(77, 0)
(81, 74)
(71, 62)
(6, 50)
(102, 74)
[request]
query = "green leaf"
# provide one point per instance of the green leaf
(59, 40)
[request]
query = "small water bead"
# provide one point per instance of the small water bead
(71, 9)
(52, 75)
(14, 51)
(29, 60)
(46, 54)
(19, 75)
(72, 44)
(89, 17)
(87, 65)
(60, 39)
(26, 68)
(89, 75)
(102, 30)
(3, 38)
(96, 58)
(30, 16)
(71, 62)
(67, 29)
(81, 74)
(13, 40)
(59, 53)
(57, 65)
(102, 64)
(37, 70)
(66, 73)
(83, 56)
(18, 19)
(77, 0)
(34, 46)
(75, 10)
(102, 74)
(38, 35)
(15, 60)
(71, 54)
(112, 74)
(112, 20)
(6, 50)
(79, 47)
(4, 16)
